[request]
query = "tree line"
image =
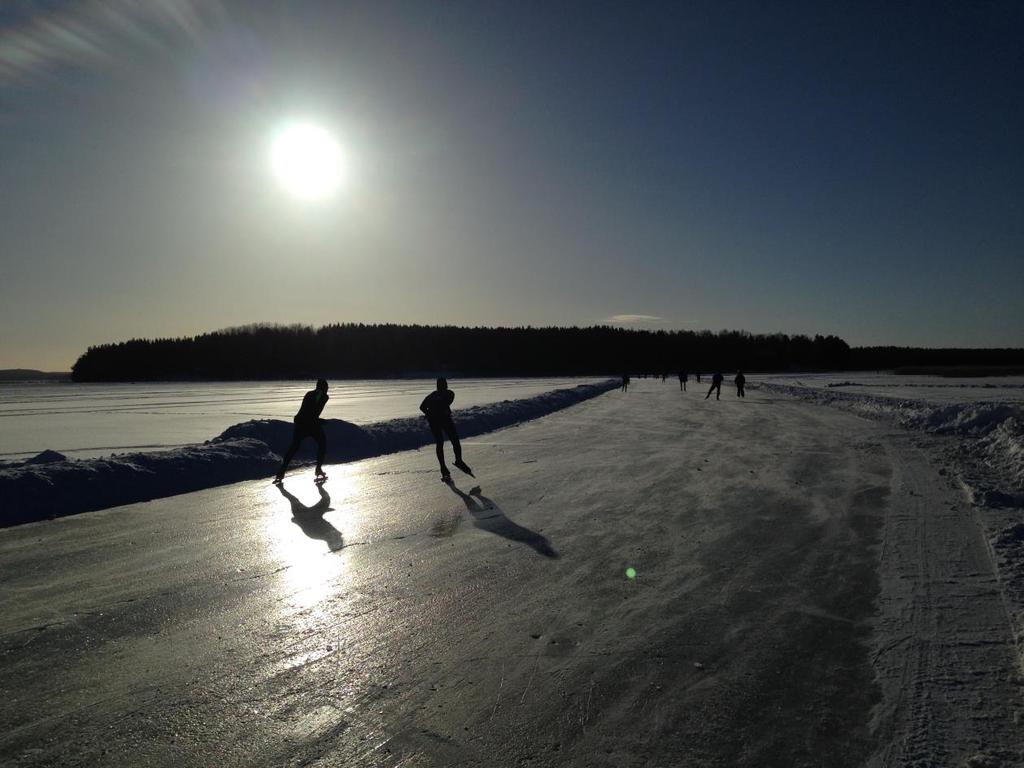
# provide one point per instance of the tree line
(950, 360)
(381, 351)
(356, 350)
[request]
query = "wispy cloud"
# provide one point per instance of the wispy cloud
(95, 32)
(635, 320)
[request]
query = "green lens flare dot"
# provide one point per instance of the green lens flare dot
(631, 573)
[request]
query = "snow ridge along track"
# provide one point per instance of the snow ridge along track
(52, 486)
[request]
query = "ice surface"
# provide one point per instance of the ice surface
(49, 485)
(807, 592)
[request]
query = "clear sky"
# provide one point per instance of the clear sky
(850, 168)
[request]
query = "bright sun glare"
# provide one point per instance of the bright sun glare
(306, 160)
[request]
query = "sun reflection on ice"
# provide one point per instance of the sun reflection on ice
(307, 536)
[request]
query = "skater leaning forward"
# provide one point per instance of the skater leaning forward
(716, 386)
(437, 407)
(307, 424)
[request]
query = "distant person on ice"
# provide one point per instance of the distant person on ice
(716, 387)
(625, 382)
(307, 424)
(437, 407)
(682, 381)
(740, 381)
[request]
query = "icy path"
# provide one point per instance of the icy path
(809, 592)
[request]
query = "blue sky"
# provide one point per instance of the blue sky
(800, 167)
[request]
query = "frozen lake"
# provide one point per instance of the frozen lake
(806, 590)
(88, 420)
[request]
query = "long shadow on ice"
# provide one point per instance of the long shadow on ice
(311, 519)
(488, 517)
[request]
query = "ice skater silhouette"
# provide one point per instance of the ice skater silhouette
(307, 424)
(716, 387)
(625, 382)
(740, 381)
(683, 378)
(437, 407)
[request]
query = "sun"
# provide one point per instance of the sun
(306, 160)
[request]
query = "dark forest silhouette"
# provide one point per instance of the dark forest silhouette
(381, 351)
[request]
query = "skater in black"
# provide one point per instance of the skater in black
(740, 381)
(683, 377)
(307, 424)
(437, 407)
(716, 387)
(625, 382)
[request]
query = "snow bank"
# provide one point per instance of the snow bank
(991, 453)
(953, 418)
(50, 485)
(348, 442)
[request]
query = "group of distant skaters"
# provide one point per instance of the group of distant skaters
(716, 383)
(437, 408)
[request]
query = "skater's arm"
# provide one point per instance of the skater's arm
(321, 405)
(425, 405)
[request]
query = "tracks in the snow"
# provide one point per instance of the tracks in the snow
(944, 653)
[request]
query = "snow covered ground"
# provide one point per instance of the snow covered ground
(808, 590)
(90, 420)
(937, 390)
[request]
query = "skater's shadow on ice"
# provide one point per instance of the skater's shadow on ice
(488, 517)
(311, 519)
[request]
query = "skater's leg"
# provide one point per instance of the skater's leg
(321, 448)
(288, 454)
(709, 392)
(449, 428)
(438, 433)
(454, 437)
